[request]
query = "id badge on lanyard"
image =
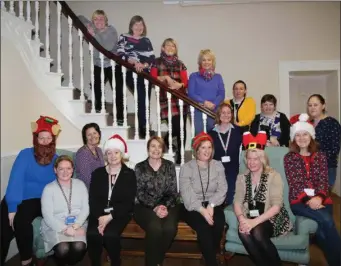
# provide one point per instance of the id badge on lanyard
(70, 219)
(225, 159)
(109, 208)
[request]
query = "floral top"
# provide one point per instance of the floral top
(273, 123)
(156, 187)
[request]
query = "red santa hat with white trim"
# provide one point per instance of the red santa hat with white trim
(116, 142)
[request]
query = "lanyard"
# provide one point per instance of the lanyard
(111, 185)
(68, 202)
(208, 182)
(227, 140)
(254, 192)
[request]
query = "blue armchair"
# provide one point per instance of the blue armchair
(293, 247)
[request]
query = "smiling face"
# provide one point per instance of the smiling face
(207, 62)
(239, 91)
(225, 115)
(114, 157)
(138, 29)
(92, 137)
(302, 139)
(169, 48)
(155, 149)
(44, 138)
(315, 107)
(268, 108)
(253, 161)
(64, 171)
(205, 150)
(99, 22)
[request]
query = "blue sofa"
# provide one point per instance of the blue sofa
(293, 247)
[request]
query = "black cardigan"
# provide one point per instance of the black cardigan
(122, 197)
(284, 125)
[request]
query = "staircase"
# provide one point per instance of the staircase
(50, 37)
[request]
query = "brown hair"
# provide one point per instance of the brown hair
(219, 110)
(136, 19)
(63, 158)
(269, 98)
(195, 152)
(159, 140)
(312, 147)
(320, 99)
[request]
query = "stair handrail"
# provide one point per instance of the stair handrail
(67, 12)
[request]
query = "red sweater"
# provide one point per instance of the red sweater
(298, 178)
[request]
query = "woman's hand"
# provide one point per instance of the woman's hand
(140, 67)
(102, 223)
(80, 232)
(11, 216)
(132, 61)
(274, 141)
(210, 211)
(76, 226)
(175, 85)
(209, 105)
(246, 225)
(315, 203)
(91, 30)
(69, 231)
(161, 211)
(204, 212)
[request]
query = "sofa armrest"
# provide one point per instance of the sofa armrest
(230, 217)
(305, 226)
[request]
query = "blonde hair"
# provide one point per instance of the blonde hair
(172, 41)
(100, 12)
(105, 157)
(209, 53)
(262, 156)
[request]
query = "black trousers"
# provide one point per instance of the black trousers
(259, 245)
(27, 211)
(111, 240)
(118, 87)
(159, 232)
(69, 253)
(208, 236)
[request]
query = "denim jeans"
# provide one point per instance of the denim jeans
(327, 236)
(331, 176)
(199, 124)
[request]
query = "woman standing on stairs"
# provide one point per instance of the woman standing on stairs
(31, 171)
(169, 69)
(136, 48)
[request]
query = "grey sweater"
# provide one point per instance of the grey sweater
(107, 38)
(191, 189)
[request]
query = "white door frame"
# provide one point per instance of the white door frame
(285, 67)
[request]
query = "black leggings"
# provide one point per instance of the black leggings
(259, 246)
(69, 252)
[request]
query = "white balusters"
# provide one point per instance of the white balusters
(91, 48)
(47, 28)
(158, 110)
(125, 114)
(11, 7)
(114, 110)
(204, 121)
(170, 136)
(21, 9)
(69, 20)
(36, 22)
(3, 5)
(81, 63)
(136, 107)
(192, 120)
(101, 56)
(146, 84)
(28, 11)
(59, 33)
(182, 135)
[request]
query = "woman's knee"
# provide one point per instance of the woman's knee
(61, 250)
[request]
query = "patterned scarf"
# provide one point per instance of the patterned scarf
(207, 74)
(169, 60)
(281, 221)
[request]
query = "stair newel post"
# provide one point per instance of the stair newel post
(170, 136)
(136, 106)
(36, 22)
(101, 56)
(91, 48)
(21, 9)
(125, 114)
(81, 62)
(158, 110)
(146, 85)
(182, 132)
(28, 11)
(69, 20)
(113, 82)
(192, 120)
(47, 26)
(204, 121)
(11, 7)
(59, 36)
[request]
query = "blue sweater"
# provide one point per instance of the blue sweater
(27, 179)
(201, 90)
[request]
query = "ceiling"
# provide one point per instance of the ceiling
(220, 2)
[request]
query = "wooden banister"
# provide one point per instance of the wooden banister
(66, 10)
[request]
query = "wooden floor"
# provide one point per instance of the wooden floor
(317, 258)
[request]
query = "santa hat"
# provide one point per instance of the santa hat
(200, 138)
(303, 124)
(117, 142)
(254, 142)
(46, 123)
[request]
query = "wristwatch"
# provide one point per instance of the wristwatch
(212, 205)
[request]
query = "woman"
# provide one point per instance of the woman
(111, 199)
(203, 190)
(328, 134)
(65, 208)
(274, 123)
(31, 171)
(169, 69)
(227, 140)
(106, 35)
(137, 49)
(156, 209)
(244, 108)
(90, 156)
(258, 204)
(307, 173)
(206, 88)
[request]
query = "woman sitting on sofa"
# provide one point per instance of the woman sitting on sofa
(203, 189)
(65, 208)
(258, 203)
(307, 173)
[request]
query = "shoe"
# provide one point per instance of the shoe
(119, 122)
